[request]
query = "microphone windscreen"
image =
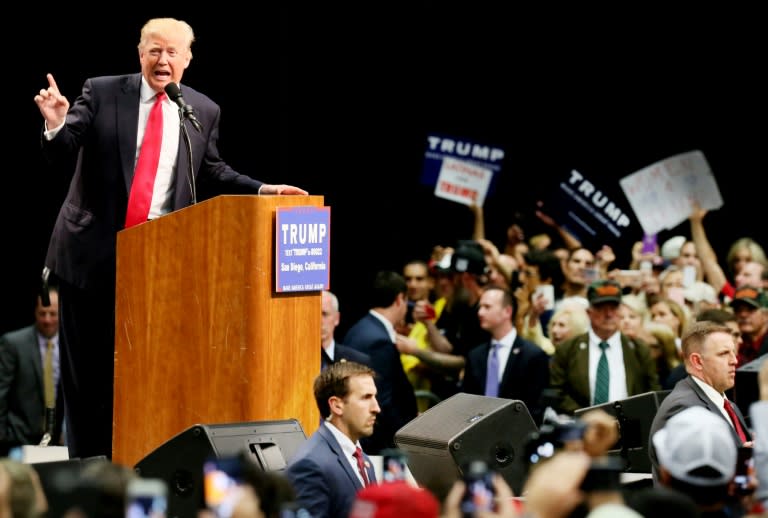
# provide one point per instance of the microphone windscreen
(173, 91)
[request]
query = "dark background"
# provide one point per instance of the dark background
(359, 89)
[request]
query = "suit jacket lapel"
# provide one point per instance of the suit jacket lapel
(514, 354)
(482, 366)
(369, 469)
(340, 457)
(713, 408)
(743, 422)
(581, 366)
(127, 114)
(631, 367)
(37, 361)
(325, 360)
(183, 195)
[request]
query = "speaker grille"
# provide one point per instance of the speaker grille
(419, 441)
(457, 413)
(462, 428)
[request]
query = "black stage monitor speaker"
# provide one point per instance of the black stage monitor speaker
(441, 442)
(179, 461)
(746, 388)
(62, 484)
(634, 415)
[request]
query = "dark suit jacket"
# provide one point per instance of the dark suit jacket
(525, 376)
(687, 394)
(22, 395)
(323, 479)
(101, 131)
(394, 391)
(569, 371)
(343, 353)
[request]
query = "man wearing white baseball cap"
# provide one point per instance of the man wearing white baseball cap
(697, 456)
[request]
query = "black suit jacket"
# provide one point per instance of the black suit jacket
(101, 131)
(687, 393)
(343, 353)
(22, 395)
(394, 391)
(525, 376)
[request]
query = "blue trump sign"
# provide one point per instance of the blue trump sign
(302, 248)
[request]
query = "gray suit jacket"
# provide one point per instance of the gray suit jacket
(687, 394)
(758, 412)
(323, 478)
(22, 396)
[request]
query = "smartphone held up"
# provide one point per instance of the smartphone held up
(146, 498)
(480, 493)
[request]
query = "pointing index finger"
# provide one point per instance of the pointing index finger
(52, 82)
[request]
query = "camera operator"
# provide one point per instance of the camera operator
(573, 452)
(596, 488)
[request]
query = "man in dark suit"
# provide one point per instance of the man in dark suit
(102, 131)
(709, 352)
(22, 386)
(330, 351)
(325, 472)
(375, 335)
(573, 371)
(522, 366)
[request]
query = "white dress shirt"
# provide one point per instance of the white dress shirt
(617, 387)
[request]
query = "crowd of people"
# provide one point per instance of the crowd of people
(474, 318)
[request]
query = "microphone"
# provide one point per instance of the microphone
(174, 94)
(45, 292)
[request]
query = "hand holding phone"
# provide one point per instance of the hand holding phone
(222, 483)
(548, 291)
(146, 498)
(423, 310)
(689, 275)
(744, 471)
(394, 462)
(649, 244)
(480, 493)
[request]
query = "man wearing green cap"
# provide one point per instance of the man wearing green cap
(604, 364)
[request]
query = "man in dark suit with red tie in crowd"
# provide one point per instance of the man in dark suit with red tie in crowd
(103, 131)
(330, 467)
(709, 351)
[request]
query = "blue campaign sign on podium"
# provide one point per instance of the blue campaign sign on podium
(302, 248)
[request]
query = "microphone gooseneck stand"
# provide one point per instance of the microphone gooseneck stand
(188, 146)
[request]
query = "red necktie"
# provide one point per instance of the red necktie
(735, 420)
(146, 166)
(361, 465)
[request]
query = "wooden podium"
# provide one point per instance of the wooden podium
(201, 337)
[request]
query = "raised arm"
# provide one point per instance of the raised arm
(713, 272)
(570, 241)
(478, 230)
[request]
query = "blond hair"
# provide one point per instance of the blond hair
(163, 26)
